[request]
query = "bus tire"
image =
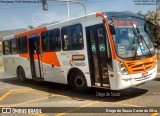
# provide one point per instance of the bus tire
(21, 74)
(78, 81)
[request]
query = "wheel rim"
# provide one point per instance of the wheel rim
(80, 81)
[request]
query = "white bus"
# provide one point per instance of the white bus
(89, 51)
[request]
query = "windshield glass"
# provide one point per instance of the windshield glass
(131, 40)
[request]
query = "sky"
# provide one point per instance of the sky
(21, 15)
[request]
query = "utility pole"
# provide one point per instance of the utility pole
(157, 10)
(44, 5)
(68, 9)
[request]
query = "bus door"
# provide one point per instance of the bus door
(97, 55)
(34, 56)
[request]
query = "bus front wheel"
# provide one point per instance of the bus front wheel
(78, 81)
(21, 74)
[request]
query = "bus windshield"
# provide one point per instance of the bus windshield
(132, 38)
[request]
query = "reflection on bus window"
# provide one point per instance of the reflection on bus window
(13, 46)
(6, 47)
(51, 40)
(131, 40)
(22, 45)
(72, 37)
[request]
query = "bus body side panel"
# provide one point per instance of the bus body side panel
(7, 58)
(11, 63)
(52, 68)
(59, 74)
(7, 64)
(24, 62)
(116, 82)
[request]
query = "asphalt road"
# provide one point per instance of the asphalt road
(44, 94)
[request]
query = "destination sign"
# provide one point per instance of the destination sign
(124, 22)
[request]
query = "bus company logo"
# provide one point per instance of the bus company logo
(73, 63)
(151, 59)
(78, 57)
(79, 64)
(144, 67)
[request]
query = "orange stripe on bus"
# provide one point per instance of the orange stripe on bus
(24, 55)
(50, 58)
(28, 34)
(31, 32)
(100, 14)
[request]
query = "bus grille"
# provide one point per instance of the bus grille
(139, 68)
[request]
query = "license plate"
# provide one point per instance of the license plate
(145, 74)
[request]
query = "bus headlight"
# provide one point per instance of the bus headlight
(122, 68)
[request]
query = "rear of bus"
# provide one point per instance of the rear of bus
(133, 53)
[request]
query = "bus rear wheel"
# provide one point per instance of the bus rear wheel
(78, 81)
(21, 74)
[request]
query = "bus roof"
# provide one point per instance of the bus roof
(79, 19)
(123, 14)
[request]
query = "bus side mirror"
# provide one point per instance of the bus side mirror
(153, 28)
(112, 29)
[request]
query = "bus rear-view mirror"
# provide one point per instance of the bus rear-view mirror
(112, 29)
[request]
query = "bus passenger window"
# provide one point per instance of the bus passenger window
(51, 40)
(65, 42)
(13, 46)
(44, 41)
(22, 45)
(6, 47)
(72, 37)
(54, 40)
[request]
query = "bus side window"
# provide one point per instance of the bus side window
(51, 40)
(22, 45)
(65, 42)
(44, 38)
(13, 46)
(54, 40)
(6, 47)
(72, 37)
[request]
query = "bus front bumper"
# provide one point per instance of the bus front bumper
(126, 81)
(137, 79)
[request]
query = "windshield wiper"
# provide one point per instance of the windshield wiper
(140, 36)
(134, 48)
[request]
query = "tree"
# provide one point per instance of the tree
(153, 16)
